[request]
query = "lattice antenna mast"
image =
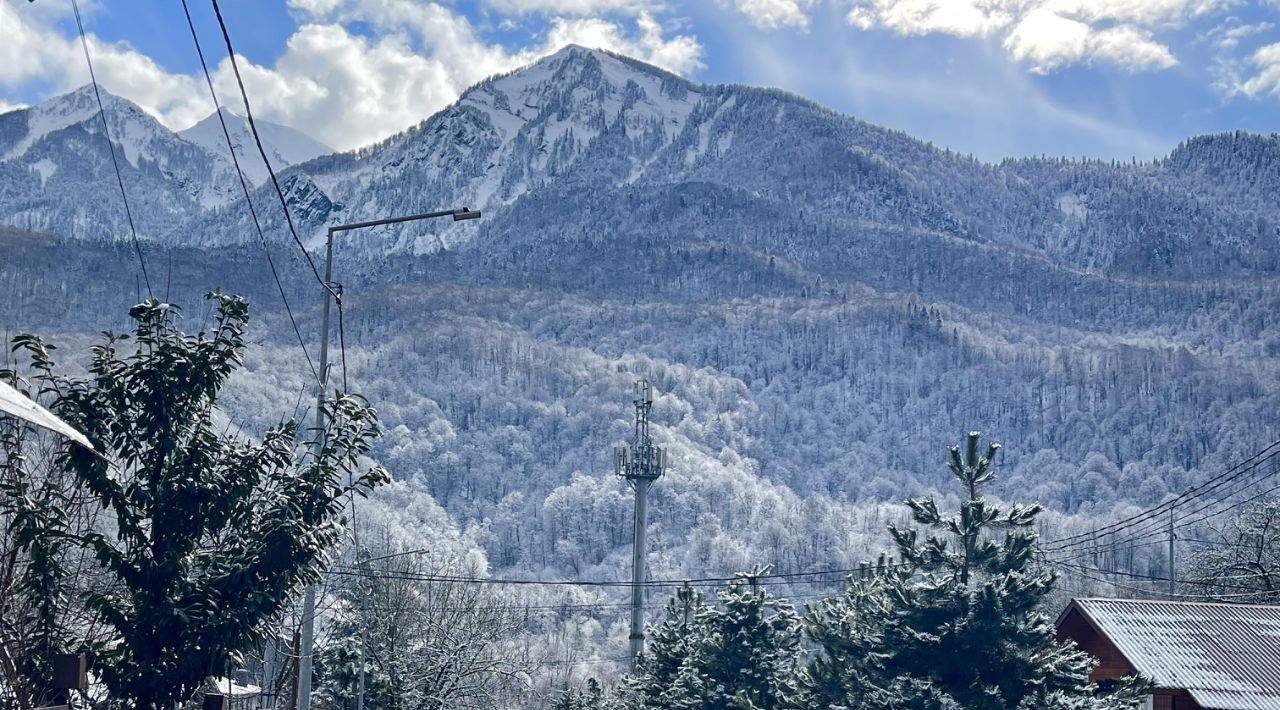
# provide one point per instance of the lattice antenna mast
(641, 464)
(641, 461)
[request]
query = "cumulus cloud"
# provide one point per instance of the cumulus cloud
(1047, 40)
(681, 54)
(574, 7)
(1266, 77)
(344, 87)
(773, 14)
(1046, 34)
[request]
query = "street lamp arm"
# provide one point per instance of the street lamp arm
(306, 640)
(457, 215)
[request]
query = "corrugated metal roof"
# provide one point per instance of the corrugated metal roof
(1227, 656)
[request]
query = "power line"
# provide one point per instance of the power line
(1084, 572)
(253, 127)
(115, 163)
(1144, 516)
(1155, 527)
(771, 579)
(284, 204)
(244, 187)
(1195, 517)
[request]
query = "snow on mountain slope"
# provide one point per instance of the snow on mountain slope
(503, 138)
(57, 149)
(770, 171)
(589, 126)
(285, 146)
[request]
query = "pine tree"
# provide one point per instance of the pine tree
(957, 625)
(741, 654)
(589, 698)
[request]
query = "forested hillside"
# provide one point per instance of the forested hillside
(821, 304)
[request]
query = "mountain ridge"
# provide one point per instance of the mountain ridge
(601, 121)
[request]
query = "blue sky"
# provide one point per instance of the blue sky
(997, 78)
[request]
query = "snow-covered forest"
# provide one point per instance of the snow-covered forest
(822, 306)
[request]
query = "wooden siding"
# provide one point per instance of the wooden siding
(1112, 664)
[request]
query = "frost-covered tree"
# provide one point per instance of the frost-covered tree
(1242, 562)
(957, 624)
(590, 697)
(743, 653)
(426, 641)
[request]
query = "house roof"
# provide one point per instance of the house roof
(1227, 656)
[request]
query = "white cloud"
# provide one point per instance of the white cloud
(680, 55)
(1266, 63)
(1047, 40)
(963, 18)
(1046, 34)
(347, 89)
(574, 7)
(773, 14)
(1131, 48)
(1141, 12)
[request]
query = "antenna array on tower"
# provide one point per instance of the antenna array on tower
(641, 460)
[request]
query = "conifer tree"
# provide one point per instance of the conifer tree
(957, 625)
(741, 654)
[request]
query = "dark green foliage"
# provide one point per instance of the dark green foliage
(210, 533)
(741, 654)
(589, 698)
(958, 624)
(35, 519)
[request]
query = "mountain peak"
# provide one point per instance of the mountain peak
(76, 106)
(285, 145)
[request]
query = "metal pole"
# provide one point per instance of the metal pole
(1173, 575)
(309, 598)
(360, 689)
(637, 570)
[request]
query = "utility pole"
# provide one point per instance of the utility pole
(641, 464)
(685, 594)
(1173, 574)
(307, 639)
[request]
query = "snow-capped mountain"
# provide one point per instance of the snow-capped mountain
(822, 303)
(592, 123)
(585, 126)
(56, 149)
(285, 146)
(56, 173)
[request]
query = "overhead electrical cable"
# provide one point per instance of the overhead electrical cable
(779, 578)
(115, 163)
(1144, 516)
(257, 139)
(244, 187)
(1157, 531)
(335, 293)
(1084, 572)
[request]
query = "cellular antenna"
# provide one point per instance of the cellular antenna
(640, 464)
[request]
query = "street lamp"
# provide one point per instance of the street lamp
(307, 639)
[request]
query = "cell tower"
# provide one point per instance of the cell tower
(641, 464)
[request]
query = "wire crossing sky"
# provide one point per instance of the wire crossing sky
(996, 78)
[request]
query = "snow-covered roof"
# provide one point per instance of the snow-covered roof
(1227, 656)
(232, 689)
(14, 402)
